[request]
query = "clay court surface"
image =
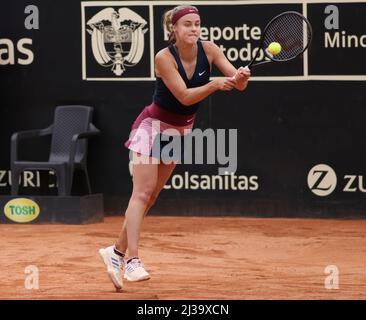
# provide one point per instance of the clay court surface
(191, 258)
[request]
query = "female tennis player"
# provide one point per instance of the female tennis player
(182, 82)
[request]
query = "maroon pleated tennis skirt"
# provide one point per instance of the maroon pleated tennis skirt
(153, 122)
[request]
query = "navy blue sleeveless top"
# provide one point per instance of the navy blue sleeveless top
(166, 100)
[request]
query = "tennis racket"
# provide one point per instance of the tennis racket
(289, 32)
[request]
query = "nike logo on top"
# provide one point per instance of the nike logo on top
(201, 73)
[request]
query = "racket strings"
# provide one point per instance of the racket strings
(293, 34)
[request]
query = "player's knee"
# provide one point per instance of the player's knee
(143, 195)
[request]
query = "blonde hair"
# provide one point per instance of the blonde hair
(167, 20)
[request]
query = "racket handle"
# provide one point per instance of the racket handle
(260, 63)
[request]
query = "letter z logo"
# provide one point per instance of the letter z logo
(322, 180)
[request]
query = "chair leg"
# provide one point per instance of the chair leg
(69, 180)
(15, 181)
(61, 181)
(85, 170)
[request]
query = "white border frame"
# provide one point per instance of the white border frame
(150, 4)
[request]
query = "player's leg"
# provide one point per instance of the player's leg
(135, 270)
(164, 172)
(144, 183)
(145, 178)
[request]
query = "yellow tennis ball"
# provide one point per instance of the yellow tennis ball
(274, 48)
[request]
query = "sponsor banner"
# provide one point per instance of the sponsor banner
(51, 209)
(21, 210)
(323, 181)
(29, 179)
(339, 39)
(230, 182)
(191, 180)
(17, 48)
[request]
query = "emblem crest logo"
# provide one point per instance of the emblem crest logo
(117, 38)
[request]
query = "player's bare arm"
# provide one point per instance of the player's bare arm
(166, 68)
(217, 57)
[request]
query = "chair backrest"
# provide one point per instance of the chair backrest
(68, 121)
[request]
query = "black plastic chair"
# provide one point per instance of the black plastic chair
(72, 124)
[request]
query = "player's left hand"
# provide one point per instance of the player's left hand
(241, 78)
(242, 74)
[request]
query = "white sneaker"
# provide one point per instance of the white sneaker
(114, 264)
(135, 271)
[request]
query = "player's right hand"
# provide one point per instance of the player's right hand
(225, 83)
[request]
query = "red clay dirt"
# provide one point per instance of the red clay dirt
(191, 258)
